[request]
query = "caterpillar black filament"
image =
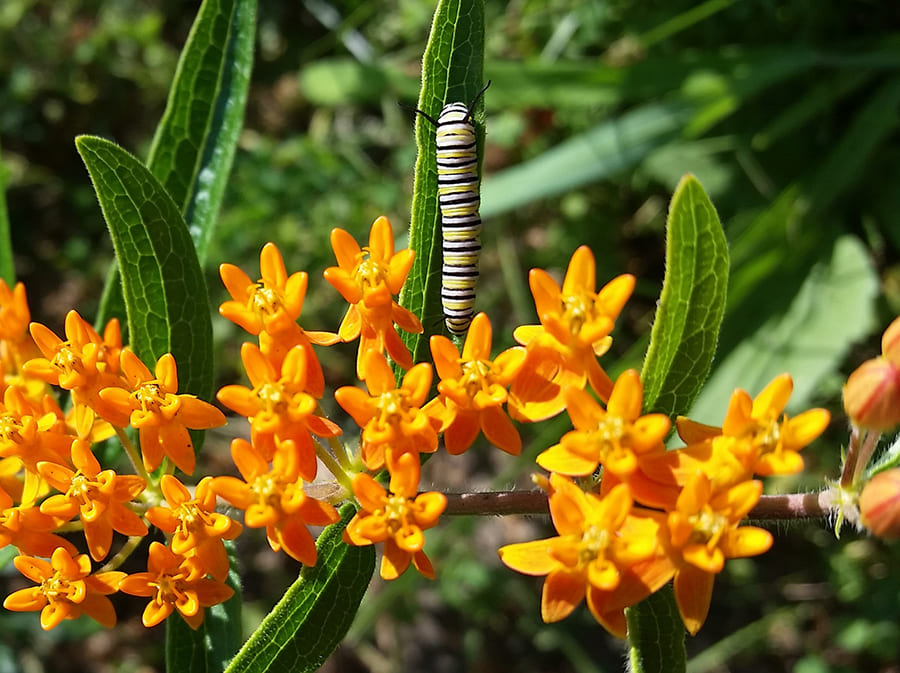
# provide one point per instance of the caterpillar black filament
(459, 200)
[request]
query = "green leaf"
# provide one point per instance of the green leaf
(215, 642)
(452, 70)
(692, 303)
(316, 611)
(165, 295)
(196, 138)
(655, 634)
(834, 307)
(7, 270)
(608, 148)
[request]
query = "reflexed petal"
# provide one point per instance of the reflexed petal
(583, 409)
(500, 431)
(627, 398)
(369, 492)
(529, 558)
(693, 592)
(692, 432)
(197, 414)
(394, 562)
(558, 459)
(562, 593)
(25, 600)
(462, 432)
(423, 565)
(398, 268)
(298, 542)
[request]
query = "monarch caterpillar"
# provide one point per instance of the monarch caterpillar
(458, 198)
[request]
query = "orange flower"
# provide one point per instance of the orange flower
(473, 390)
(397, 519)
(769, 439)
(368, 279)
(99, 497)
(85, 363)
(271, 306)
(279, 406)
(391, 418)
(28, 529)
(161, 416)
(614, 438)
(16, 344)
(704, 531)
(31, 434)
(606, 551)
(274, 498)
(174, 583)
(575, 325)
(66, 589)
(197, 529)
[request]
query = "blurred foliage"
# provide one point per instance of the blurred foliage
(786, 110)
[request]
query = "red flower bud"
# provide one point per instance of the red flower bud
(872, 395)
(890, 342)
(879, 504)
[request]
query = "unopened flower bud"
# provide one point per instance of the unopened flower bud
(890, 342)
(879, 504)
(872, 395)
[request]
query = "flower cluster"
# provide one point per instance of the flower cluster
(630, 515)
(639, 515)
(53, 483)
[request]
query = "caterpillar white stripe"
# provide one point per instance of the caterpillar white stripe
(459, 200)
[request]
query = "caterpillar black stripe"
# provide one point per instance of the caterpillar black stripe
(459, 200)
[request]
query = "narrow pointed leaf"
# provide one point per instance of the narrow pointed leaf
(692, 303)
(165, 294)
(656, 635)
(452, 70)
(196, 138)
(316, 611)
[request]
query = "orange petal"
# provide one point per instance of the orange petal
(529, 558)
(693, 592)
(562, 593)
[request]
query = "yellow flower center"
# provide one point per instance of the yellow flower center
(391, 407)
(168, 588)
(368, 272)
(594, 542)
(56, 588)
(708, 526)
(577, 310)
(268, 489)
(150, 397)
(82, 488)
(271, 395)
(767, 437)
(475, 376)
(265, 300)
(396, 511)
(10, 429)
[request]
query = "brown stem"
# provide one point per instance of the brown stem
(496, 503)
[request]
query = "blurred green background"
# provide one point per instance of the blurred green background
(787, 111)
